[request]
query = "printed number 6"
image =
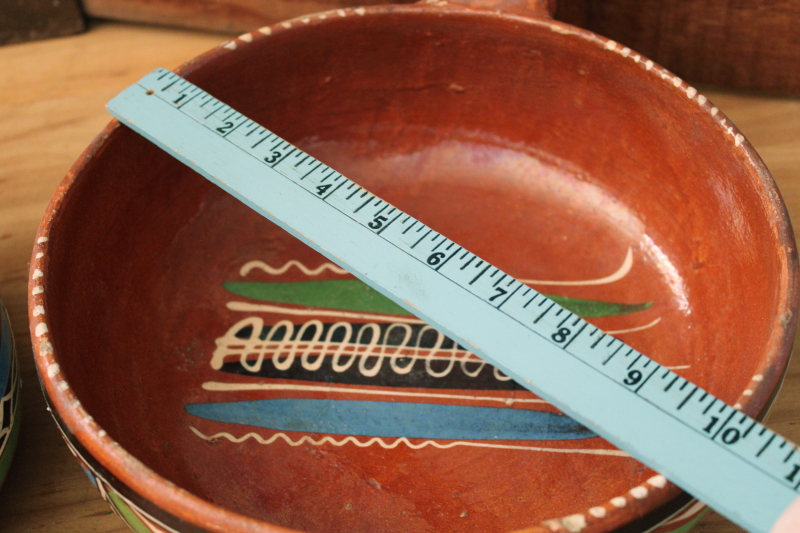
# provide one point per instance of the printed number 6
(435, 259)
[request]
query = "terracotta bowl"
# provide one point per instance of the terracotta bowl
(213, 374)
(10, 385)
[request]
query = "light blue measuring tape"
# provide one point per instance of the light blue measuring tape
(721, 456)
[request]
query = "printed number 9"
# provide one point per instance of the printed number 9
(634, 377)
(435, 259)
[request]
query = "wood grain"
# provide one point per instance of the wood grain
(235, 16)
(50, 114)
(39, 19)
(750, 44)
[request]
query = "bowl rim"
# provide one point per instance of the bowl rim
(194, 510)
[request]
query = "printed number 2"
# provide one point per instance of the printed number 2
(225, 128)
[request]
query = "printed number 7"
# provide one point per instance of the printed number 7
(500, 292)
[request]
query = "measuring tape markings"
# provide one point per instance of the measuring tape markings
(450, 275)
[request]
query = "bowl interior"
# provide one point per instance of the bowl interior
(249, 370)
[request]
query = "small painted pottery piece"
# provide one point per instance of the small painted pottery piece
(213, 374)
(10, 385)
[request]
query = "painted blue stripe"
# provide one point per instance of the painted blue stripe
(395, 419)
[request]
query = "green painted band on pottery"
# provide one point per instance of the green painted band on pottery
(126, 513)
(354, 295)
(693, 522)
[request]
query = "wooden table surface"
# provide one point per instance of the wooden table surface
(52, 97)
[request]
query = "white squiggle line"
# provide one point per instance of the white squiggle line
(402, 440)
(225, 387)
(353, 349)
(261, 265)
(638, 328)
(245, 307)
(616, 276)
(623, 271)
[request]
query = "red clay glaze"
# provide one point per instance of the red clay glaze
(559, 156)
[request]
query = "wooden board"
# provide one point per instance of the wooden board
(32, 20)
(52, 112)
(733, 43)
(234, 16)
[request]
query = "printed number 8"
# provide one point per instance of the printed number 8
(560, 335)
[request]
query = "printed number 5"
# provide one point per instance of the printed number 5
(378, 222)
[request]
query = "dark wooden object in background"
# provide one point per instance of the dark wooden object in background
(753, 44)
(236, 16)
(31, 20)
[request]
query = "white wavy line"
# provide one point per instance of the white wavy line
(349, 349)
(261, 265)
(248, 307)
(623, 271)
(231, 387)
(638, 328)
(402, 440)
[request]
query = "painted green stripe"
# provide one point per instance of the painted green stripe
(693, 522)
(596, 308)
(354, 295)
(344, 294)
(127, 514)
(5, 460)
